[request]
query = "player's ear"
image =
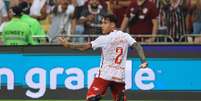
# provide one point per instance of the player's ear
(113, 25)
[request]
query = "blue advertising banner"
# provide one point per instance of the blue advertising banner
(76, 72)
(40, 69)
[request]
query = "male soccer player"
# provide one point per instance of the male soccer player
(114, 45)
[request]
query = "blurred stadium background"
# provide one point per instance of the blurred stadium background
(72, 19)
(172, 42)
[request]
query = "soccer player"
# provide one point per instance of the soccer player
(114, 45)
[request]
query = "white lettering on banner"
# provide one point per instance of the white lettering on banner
(41, 85)
(75, 78)
(148, 76)
(10, 77)
(79, 78)
(128, 74)
(53, 77)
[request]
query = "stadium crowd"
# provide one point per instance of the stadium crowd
(29, 22)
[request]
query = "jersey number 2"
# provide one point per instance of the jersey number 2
(119, 52)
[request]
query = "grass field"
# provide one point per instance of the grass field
(101, 100)
(61, 100)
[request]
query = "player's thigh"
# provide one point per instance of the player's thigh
(118, 91)
(98, 87)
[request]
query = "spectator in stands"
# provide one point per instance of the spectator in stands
(61, 20)
(91, 17)
(162, 28)
(78, 3)
(16, 32)
(13, 3)
(118, 8)
(3, 14)
(191, 5)
(176, 18)
(77, 27)
(38, 9)
(141, 19)
(196, 19)
(35, 26)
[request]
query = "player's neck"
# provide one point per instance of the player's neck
(108, 32)
(112, 31)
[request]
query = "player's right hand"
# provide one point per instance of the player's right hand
(63, 41)
(144, 65)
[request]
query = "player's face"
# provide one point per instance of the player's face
(94, 3)
(10, 13)
(107, 26)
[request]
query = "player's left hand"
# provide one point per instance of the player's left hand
(63, 42)
(144, 65)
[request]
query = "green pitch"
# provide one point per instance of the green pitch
(84, 100)
(77, 100)
(60, 100)
(73, 100)
(100, 100)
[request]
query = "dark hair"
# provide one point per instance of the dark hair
(17, 11)
(111, 18)
(25, 7)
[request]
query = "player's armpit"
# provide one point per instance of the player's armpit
(140, 51)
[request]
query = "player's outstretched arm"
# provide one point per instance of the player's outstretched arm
(141, 54)
(81, 47)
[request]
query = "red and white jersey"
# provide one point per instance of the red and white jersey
(114, 54)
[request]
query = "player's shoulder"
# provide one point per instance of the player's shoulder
(123, 33)
(119, 32)
(102, 37)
